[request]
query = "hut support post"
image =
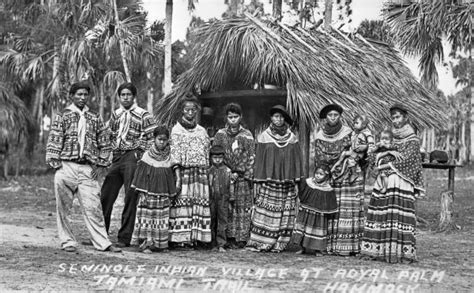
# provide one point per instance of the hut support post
(446, 220)
(304, 137)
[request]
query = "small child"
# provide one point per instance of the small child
(220, 196)
(361, 139)
(155, 185)
(317, 205)
(382, 158)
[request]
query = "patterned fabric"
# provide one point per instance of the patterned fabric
(328, 148)
(389, 233)
(155, 185)
(274, 216)
(409, 168)
(239, 156)
(311, 228)
(240, 211)
(140, 129)
(189, 147)
(317, 206)
(345, 230)
(81, 126)
(239, 151)
(152, 221)
(190, 216)
(63, 140)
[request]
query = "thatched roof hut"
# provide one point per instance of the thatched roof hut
(314, 67)
(310, 69)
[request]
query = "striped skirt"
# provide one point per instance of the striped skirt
(151, 221)
(190, 214)
(311, 229)
(389, 233)
(239, 216)
(346, 228)
(274, 216)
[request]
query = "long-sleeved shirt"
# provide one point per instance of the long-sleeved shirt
(63, 141)
(140, 130)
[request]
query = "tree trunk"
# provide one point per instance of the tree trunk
(328, 15)
(168, 43)
(121, 44)
(39, 118)
(470, 113)
(446, 221)
(277, 9)
(149, 103)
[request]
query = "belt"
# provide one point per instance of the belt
(81, 162)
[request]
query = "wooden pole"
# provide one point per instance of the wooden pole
(328, 15)
(168, 51)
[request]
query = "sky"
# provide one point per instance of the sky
(205, 9)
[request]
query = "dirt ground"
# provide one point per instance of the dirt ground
(30, 259)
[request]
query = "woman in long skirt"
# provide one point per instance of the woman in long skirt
(239, 146)
(190, 216)
(277, 169)
(346, 228)
(389, 233)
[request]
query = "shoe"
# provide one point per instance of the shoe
(222, 249)
(87, 242)
(112, 248)
(122, 245)
(253, 249)
(70, 249)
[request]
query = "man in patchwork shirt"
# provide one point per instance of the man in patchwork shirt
(78, 148)
(132, 134)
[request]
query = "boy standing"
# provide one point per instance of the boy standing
(220, 196)
(132, 134)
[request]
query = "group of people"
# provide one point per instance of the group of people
(185, 189)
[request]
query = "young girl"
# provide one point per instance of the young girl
(317, 205)
(155, 185)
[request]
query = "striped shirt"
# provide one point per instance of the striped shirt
(63, 141)
(140, 131)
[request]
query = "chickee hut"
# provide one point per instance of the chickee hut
(259, 64)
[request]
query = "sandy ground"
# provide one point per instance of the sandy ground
(31, 260)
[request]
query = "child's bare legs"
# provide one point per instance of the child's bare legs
(382, 181)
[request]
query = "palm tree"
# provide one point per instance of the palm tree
(167, 83)
(419, 28)
(168, 43)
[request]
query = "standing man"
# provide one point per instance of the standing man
(79, 148)
(132, 134)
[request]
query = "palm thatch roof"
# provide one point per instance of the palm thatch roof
(315, 67)
(14, 118)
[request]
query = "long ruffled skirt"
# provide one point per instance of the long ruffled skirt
(274, 216)
(190, 214)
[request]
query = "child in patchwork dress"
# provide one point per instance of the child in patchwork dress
(155, 184)
(317, 205)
